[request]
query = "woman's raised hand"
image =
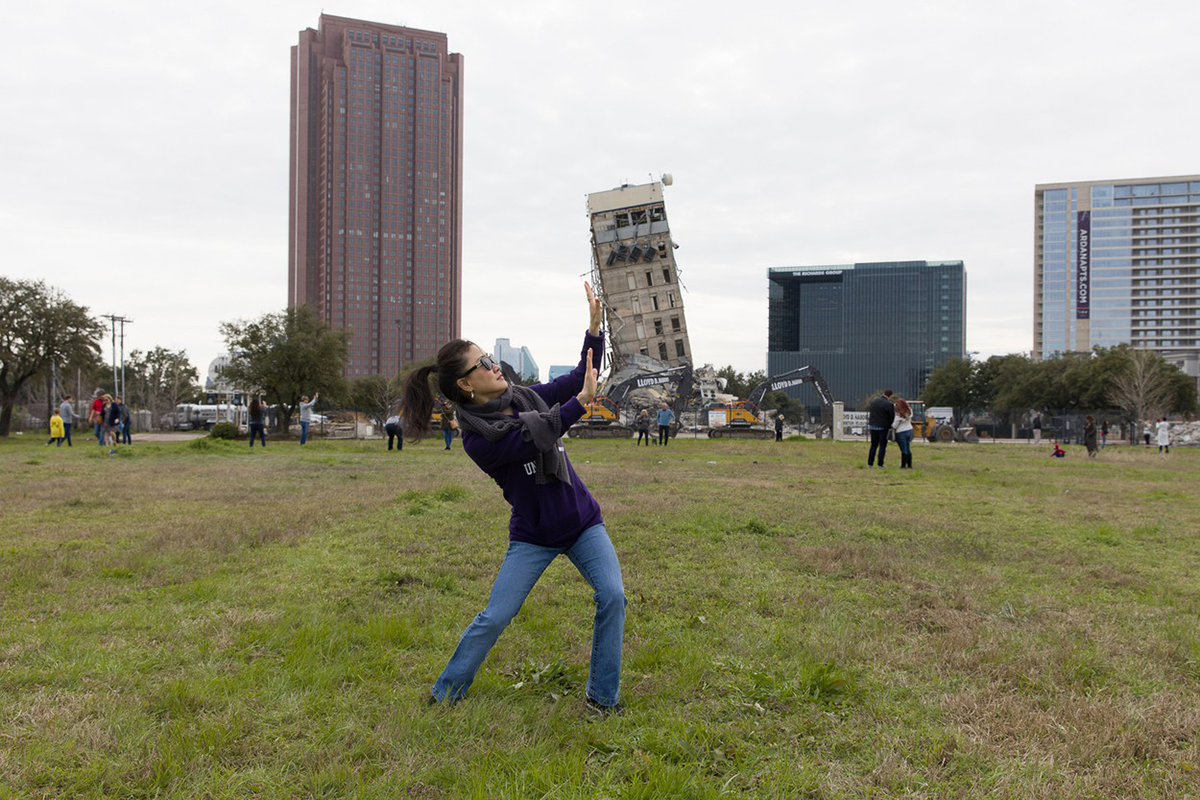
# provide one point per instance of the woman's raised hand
(595, 312)
(589, 381)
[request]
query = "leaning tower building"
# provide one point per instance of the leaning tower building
(636, 276)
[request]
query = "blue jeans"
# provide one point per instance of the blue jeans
(594, 557)
(878, 442)
(67, 432)
(100, 434)
(257, 429)
(448, 435)
(904, 442)
(303, 431)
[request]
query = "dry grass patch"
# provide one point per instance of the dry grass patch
(228, 624)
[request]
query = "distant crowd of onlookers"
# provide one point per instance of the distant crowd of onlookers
(111, 426)
(108, 416)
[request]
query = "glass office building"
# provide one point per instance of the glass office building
(866, 327)
(1116, 262)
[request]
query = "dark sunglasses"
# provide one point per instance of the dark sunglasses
(487, 362)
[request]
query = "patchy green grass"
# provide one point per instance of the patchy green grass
(203, 620)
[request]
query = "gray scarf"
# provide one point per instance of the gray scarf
(538, 423)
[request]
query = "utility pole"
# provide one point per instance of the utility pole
(113, 320)
(52, 390)
(118, 386)
(122, 321)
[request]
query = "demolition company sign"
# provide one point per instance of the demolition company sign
(1083, 264)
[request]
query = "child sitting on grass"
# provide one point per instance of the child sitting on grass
(1058, 452)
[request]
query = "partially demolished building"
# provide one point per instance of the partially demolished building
(637, 279)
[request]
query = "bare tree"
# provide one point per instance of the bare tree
(161, 380)
(1143, 388)
(376, 396)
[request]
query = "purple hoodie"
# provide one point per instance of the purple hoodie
(552, 514)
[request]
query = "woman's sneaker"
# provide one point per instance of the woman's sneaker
(596, 707)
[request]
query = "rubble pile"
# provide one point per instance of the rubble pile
(1185, 434)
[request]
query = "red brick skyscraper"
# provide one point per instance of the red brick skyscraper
(375, 223)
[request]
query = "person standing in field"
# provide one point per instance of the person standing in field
(306, 410)
(126, 428)
(1104, 433)
(1163, 431)
(880, 415)
(448, 424)
(514, 434)
(643, 427)
(902, 425)
(394, 433)
(56, 429)
(1037, 429)
(254, 417)
(115, 413)
(1089, 435)
(665, 417)
(67, 411)
(96, 415)
(110, 417)
(778, 427)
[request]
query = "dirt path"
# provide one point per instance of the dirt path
(182, 436)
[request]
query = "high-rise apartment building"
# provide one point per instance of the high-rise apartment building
(638, 278)
(1116, 261)
(866, 327)
(375, 221)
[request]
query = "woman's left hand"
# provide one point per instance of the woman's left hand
(596, 313)
(590, 377)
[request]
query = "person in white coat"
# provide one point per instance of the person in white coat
(1163, 429)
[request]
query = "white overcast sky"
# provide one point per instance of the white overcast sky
(144, 148)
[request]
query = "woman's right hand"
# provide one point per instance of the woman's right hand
(589, 381)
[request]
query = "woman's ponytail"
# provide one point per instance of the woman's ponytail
(418, 403)
(418, 395)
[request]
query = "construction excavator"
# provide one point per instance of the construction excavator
(602, 416)
(741, 416)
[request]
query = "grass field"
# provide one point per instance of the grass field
(202, 620)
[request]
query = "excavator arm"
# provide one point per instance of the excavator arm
(794, 378)
(619, 392)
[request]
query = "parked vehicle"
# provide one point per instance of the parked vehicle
(200, 416)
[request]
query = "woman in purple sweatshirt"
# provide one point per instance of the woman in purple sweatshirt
(514, 434)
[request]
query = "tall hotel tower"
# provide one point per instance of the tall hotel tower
(375, 223)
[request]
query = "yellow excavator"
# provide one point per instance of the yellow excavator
(741, 416)
(602, 417)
